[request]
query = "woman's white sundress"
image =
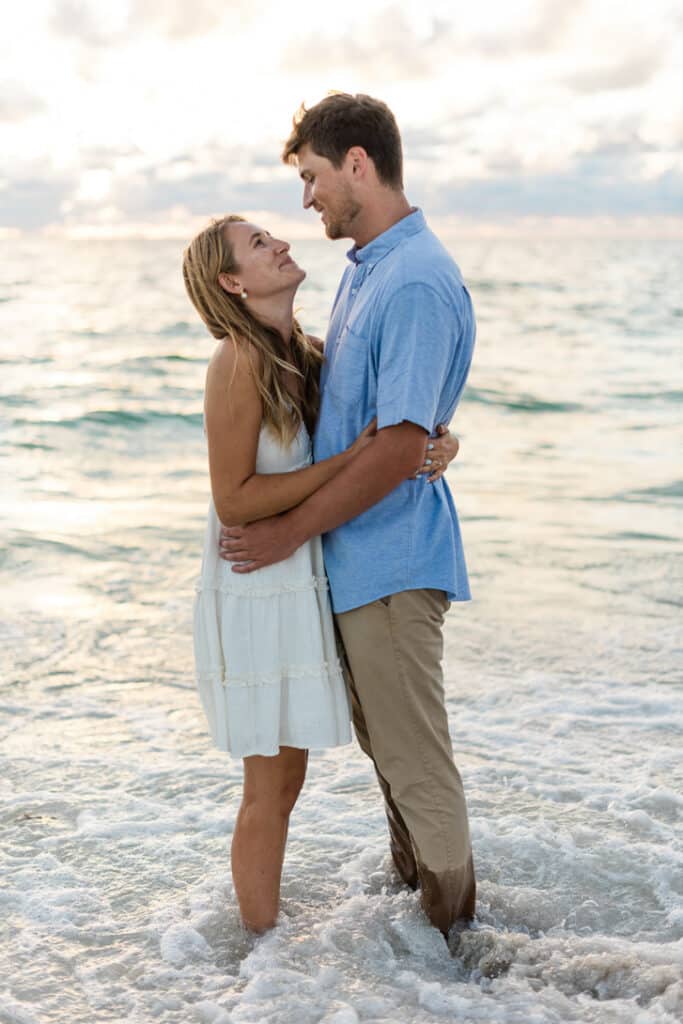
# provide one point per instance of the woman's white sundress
(266, 663)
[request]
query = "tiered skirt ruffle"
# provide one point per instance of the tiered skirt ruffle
(267, 668)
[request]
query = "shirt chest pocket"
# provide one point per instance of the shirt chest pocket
(352, 377)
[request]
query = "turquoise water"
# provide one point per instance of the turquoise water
(563, 675)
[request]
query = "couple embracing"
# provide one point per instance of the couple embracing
(335, 453)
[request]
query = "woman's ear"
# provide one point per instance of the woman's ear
(229, 284)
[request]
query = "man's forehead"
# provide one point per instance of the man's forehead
(306, 157)
(304, 153)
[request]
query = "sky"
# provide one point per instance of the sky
(145, 117)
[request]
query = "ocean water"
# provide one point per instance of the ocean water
(562, 675)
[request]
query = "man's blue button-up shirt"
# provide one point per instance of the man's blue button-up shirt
(399, 347)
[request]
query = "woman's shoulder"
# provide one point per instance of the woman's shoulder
(233, 357)
(231, 392)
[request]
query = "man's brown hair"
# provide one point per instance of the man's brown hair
(341, 121)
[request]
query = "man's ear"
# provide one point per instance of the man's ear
(229, 284)
(357, 161)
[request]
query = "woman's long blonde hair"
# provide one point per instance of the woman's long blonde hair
(227, 316)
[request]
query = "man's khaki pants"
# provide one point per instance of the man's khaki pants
(393, 649)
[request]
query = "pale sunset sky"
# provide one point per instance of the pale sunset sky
(144, 117)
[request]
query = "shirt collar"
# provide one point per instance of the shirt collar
(374, 251)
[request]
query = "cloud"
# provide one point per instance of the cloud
(204, 193)
(114, 186)
(546, 29)
(625, 72)
(17, 103)
(602, 181)
(455, 124)
(180, 19)
(93, 157)
(35, 201)
(497, 113)
(588, 189)
(86, 22)
(618, 144)
(78, 19)
(120, 184)
(387, 46)
(382, 47)
(615, 169)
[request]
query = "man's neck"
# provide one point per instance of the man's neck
(378, 216)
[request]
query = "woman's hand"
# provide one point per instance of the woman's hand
(363, 439)
(439, 453)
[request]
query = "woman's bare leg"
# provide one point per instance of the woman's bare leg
(271, 788)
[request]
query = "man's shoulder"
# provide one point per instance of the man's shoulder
(422, 261)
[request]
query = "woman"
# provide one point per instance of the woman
(267, 669)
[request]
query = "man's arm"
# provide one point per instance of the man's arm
(389, 458)
(394, 454)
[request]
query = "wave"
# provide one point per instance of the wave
(183, 327)
(30, 446)
(13, 401)
(19, 360)
(519, 403)
(144, 363)
(643, 494)
(672, 490)
(646, 396)
(117, 418)
(636, 535)
(487, 285)
(23, 540)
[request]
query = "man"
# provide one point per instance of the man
(399, 347)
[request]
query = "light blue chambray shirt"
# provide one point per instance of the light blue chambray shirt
(399, 347)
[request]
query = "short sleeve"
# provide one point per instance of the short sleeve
(417, 346)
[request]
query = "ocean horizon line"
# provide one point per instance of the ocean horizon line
(635, 227)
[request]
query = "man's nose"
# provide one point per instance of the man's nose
(281, 245)
(308, 195)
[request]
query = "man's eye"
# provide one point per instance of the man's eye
(259, 241)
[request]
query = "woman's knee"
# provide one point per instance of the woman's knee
(275, 786)
(291, 784)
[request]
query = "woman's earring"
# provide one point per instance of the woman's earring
(243, 293)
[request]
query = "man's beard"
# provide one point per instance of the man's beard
(340, 223)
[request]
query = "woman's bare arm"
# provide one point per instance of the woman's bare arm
(232, 416)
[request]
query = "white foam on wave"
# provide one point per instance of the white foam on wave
(181, 944)
(578, 892)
